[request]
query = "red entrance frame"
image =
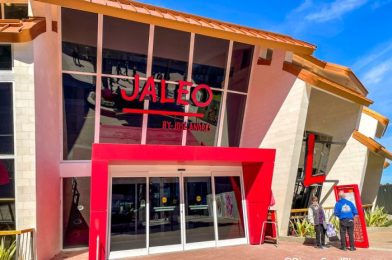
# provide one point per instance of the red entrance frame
(257, 165)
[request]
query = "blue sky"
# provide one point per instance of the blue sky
(354, 33)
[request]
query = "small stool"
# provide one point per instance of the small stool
(274, 239)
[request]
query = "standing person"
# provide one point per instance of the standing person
(316, 216)
(345, 211)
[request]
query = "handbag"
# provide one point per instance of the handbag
(331, 232)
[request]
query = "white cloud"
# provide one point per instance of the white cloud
(378, 4)
(377, 73)
(334, 10)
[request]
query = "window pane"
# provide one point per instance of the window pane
(7, 194)
(165, 222)
(6, 119)
(203, 130)
(125, 46)
(5, 57)
(199, 216)
(117, 126)
(171, 52)
(79, 115)
(15, 11)
(165, 129)
(76, 211)
(209, 61)
(79, 32)
(229, 207)
(235, 109)
(241, 62)
(128, 219)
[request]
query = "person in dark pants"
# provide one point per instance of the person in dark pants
(316, 216)
(346, 211)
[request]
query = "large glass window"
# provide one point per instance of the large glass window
(207, 136)
(232, 126)
(6, 119)
(125, 46)
(171, 52)
(76, 212)
(15, 11)
(7, 194)
(118, 126)
(78, 116)
(241, 63)
(209, 61)
(79, 35)
(5, 57)
(167, 119)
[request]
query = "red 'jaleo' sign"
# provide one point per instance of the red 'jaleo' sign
(148, 90)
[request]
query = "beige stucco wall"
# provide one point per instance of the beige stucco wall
(338, 118)
(372, 178)
(275, 118)
(22, 77)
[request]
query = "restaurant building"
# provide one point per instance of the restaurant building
(132, 129)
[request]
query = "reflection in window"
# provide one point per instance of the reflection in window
(76, 211)
(15, 11)
(5, 57)
(321, 151)
(115, 125)
(79, 114)
(241, 62)
(79, 35)
(165, 227)
(165, 129)
(7, 120)
(229, 207)
(7, 194)
(210, 117)
(232, 126)
(125, 46)
(170, 57)
(199, 216)
(209, 61)
(128, 214)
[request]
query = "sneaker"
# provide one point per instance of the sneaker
(326, 246)
(352, 249)
(343, 248)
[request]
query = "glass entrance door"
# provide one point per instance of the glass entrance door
(128, 214)
(199, 210)
(175, 211)
(165, 218)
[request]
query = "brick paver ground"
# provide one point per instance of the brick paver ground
(286, 250)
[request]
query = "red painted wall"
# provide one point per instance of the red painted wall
(257, 171)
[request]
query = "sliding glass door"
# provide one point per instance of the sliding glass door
(171, 212)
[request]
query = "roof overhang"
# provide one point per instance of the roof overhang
(326, 84)
(16, 31)
(372, 145)
(341, 74)
(383, 121)
(140, 12)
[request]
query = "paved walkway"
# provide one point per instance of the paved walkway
(285, 251)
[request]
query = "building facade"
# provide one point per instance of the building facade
(132, 129)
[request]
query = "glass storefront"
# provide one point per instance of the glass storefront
(76, 212)
(79, 116)
(176, 211)
(7, 162)
(161, 99)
